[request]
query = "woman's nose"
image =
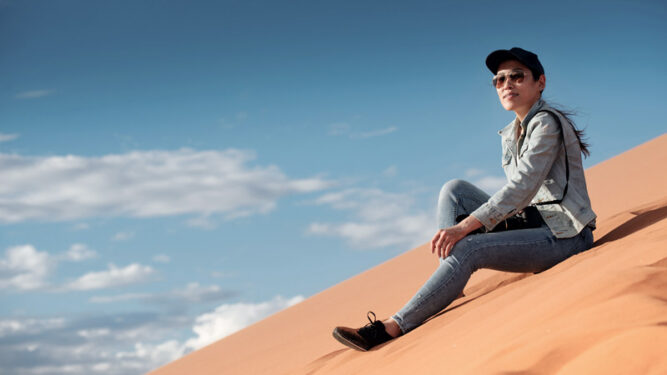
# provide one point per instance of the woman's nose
(507, 83)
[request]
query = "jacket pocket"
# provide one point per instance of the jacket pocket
(549, 191)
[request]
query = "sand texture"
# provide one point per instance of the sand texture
(600, 312)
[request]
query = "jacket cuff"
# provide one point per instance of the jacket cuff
(488, 215)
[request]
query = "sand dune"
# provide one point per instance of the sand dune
(603, 311)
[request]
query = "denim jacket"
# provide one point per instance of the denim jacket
(535, 169)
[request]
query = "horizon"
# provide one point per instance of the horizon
(163, 165)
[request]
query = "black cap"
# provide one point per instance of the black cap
(527, 58)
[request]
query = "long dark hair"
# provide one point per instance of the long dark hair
(581, 137)
(568, 114)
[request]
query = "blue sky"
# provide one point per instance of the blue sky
(173, 171)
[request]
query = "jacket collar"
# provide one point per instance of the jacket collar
(539, 104)
(509, 130)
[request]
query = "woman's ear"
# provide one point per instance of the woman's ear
(542, 82)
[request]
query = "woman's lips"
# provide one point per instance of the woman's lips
(510, 95)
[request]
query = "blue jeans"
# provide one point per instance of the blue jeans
(522, 250)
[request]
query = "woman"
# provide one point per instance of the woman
(539, 218)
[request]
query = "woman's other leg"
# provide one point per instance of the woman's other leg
(525, 250)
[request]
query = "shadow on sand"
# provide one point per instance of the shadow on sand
(641, 221)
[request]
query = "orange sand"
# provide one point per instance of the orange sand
(603, 311)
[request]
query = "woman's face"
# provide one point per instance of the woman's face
(518, 95)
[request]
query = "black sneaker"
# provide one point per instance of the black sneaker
(364, 338)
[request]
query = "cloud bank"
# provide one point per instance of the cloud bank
(111, 278)
(24, 268)
(120, 344)
(142, 184)
(379, 219)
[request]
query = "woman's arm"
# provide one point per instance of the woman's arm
(532, 168)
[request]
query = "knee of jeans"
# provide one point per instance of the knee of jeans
(460, 255)
(452, 186)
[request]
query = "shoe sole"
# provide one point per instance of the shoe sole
(347, 343)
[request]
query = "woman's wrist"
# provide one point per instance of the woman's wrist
(470, 223)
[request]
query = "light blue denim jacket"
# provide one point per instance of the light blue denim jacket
(535, 169)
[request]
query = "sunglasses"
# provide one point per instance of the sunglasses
(515, 76)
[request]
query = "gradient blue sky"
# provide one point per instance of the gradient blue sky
(171, 171)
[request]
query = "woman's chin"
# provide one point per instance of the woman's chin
(508, 106)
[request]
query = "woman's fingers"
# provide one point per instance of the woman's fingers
(453, 235)
(434, 241)
(449, 248)
(440, 243)
(444, 240)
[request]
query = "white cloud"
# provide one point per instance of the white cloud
(120, 298)
(489, 184)
(339, 128)
(8, 137)
(29, 325)
(391, 171)
(229, 318)
(379, 219)
(113, 277)
(194, 292)
(153, 355)
(102, 367)
(472, 172)
(79, 252)
(204, 222)
(33, 94)
(238, 120)
(374, 133)
(221, 275)
(123, 236)
(343, 128)
(142, 184)
(161, 258)
(24, 268)
(81, 226)
(190, 294)
(94, 333)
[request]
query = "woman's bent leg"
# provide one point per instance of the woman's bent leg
(525, 250)
(458, 197)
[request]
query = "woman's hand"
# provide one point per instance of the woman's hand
(444, 240)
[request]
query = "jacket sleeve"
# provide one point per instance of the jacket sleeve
(533, 165)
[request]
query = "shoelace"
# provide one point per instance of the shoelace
(372, 327)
